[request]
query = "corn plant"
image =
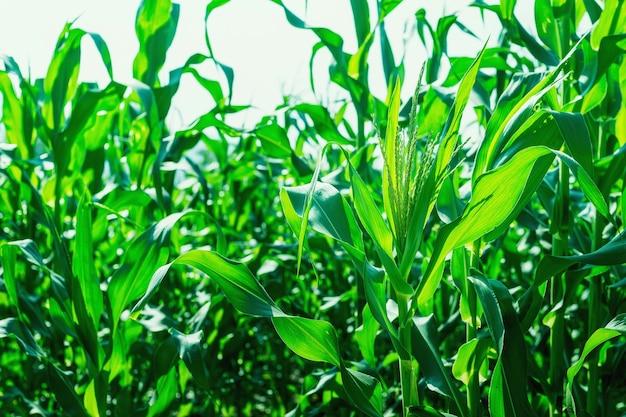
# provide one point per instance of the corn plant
(407, 268)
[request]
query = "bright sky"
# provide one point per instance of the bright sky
(269, 57)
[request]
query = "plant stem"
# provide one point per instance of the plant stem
(473, 386)
(557, 291)
(593, 324)
(408, 371)
(360, 139)
(595, 301)
(560, 241)
(57, 199)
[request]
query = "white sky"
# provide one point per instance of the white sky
(269, 57)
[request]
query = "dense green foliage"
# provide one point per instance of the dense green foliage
(361, 259)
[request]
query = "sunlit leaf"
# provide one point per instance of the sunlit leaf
(155, 26)
(314, 340)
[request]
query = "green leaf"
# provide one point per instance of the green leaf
(377, 229)
(61, 81)
(13, 118)
(322, 122)
(426, 411)
(613, 16)
(364, 391)
(312, 339)
(546, 24)
(165, 393)
(507, 7)
(95, 399)
(370, 216)
(62, 77)
(450, 131)
(388, 60)
(496, 195)
(508, 395)
(234, 278)
(340, 73)
(514, 107)
(613, 253)
(329, 214)
(15, 328)
(612, 48)
(155, 26)
(375, 294)
(470, 358)
(274, 141)
(132, 279)
(387, 6)
(315, 340)
(228, 71)
(86, 293)
(615, 328)
(426, 352)
(361, 16)
(573, 129)
(213, 87)
(58, 285)
(9, 260)
(322, 206)
(64, 391)
(587, 185)
(190, 351)
(365, 336)
(122, 340)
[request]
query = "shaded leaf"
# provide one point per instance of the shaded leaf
(190, 351)
(508, 392)
(364, 391)
(15, 328)
(426, 351)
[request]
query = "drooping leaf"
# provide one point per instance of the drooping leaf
(190, 351)
(613, 253)
(364, 391)
(312, 339)
(615, 328)
(315, 340)
(234, 278)
(11, 326)
(323, 123)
